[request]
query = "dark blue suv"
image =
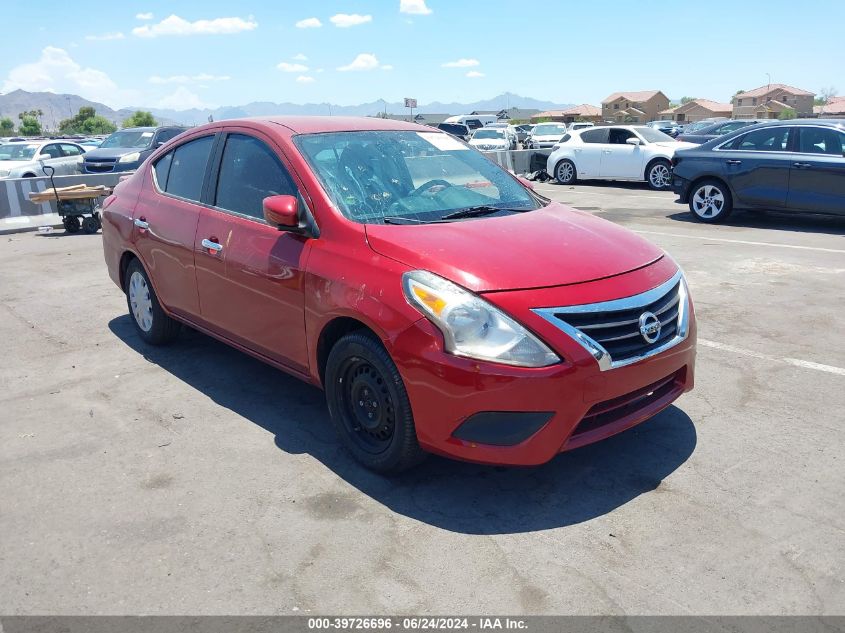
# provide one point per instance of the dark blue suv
(126, 149)
(796, 165)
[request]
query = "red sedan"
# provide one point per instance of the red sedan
(442, 304)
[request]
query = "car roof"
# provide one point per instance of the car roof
(317, 124)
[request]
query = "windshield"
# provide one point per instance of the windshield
(488, 133)
(417, 176)
(700, 125)
(654, 136)
(129, 139)
(17, 152)
(548, 130)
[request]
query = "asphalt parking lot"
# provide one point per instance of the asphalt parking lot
(195, 480)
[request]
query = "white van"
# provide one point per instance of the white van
(472, 120)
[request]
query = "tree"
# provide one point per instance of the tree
(685, 100)
(141, 119)
(87, 121)
(7, 126)
(787, 113)
(29, 126)
(824, 96)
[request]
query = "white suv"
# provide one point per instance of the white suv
(618, 152)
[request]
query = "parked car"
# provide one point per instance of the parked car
(457, 130)
(544, 135)
(715, 130)
(424, 288)
(523, 132)
(91, 143)
(125, 149)
(26, 159)
(619, 152)
(796, 165)
(669, 128)
(579, 125)
(689, 128)
(489, 139)
(510, 132)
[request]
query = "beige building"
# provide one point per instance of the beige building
(833, 109)
(767, 102)
(583, 112)
(634, 107)
(696, 110)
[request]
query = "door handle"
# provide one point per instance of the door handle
(141, 223)
(734, 162)
(802, 165)
(212, 246)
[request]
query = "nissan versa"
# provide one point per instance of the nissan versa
(442, 305)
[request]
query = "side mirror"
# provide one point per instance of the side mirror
(633, 141)
(43, 157)
(526, 182)
(282, 212)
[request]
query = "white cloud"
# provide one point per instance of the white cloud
(286, 67)
(387, 67)
(364, 61)
(174, 25)
(300, 57)
(182, 99)
(462, 63)
(105, 37)
(345, 20)
(474, 73)
(414, 7)
(55, 71)
(143, 16)
(309, 23)
(186, 79)
(305, 79)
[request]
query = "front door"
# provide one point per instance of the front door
(250, 274)
(165, 219)
(817, 171)
(756, 164)
(620, 160)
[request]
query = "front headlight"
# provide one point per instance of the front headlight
(134, 157)
(5, 172)
(471, 326)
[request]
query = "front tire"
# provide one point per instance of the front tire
(150, 320)
(659, 175)
(565, 172)
(710, 201)
(369, 405)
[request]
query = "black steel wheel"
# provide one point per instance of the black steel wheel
(71, 223)
(369, 405)
(90, 225)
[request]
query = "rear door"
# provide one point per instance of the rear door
(52, 155)
(250, 275)
(166, 218)
(72, 158)
(817, 171)
(588, 153)
(756, 166)
(620, 160)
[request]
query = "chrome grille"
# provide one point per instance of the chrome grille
(613, 331)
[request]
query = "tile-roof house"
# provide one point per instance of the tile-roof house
(767, 102)
(634, 107)
(583, 112)
(696, 110)
(834, 108)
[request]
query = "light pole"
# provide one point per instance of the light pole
(385, 107)
(770, 81)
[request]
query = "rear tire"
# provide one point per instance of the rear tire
(71, 223)
(369, 405)
(710, 201)
(659, 175)
(150, 320)
(565, 172)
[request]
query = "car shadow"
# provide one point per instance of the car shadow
(775, 220)
(455, 496)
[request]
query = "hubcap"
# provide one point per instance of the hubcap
(140, 301)
(564, 172)
(659, 176)
(369, 414)
(708, 201)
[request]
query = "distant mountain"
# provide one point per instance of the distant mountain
(57, 107)
(61, 106)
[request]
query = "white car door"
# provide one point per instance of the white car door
(51, 154)
(619, 159)
(587, 154)
(71, 159)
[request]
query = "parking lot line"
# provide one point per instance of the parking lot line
(750, 243)
(796, 362)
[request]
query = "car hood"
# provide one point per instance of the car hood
(553, 246)
(547, 137)
(488, 141)
(13, 164)
(113, 152)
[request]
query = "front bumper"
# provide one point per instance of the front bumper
(681, 187)
(581, 403)
(97, 167)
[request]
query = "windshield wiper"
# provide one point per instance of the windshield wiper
(402, 220)
(477, 211)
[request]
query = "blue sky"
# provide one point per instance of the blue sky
(212, 53)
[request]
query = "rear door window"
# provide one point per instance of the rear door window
(249, 172)
(816, 140)
(165, 135)
(598, 135)
(71, 150)
(187, 169)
